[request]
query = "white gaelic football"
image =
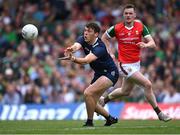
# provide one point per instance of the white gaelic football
(29, 32)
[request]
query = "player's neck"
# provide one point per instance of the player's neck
(94, 41)
(129, 25)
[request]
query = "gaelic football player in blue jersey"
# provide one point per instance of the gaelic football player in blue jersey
(105, 71)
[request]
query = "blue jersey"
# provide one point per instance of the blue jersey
(104, 62)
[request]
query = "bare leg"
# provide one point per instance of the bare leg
(125, 90)
(109, 119)
(93, 92)
(100, 110)
(139, 79)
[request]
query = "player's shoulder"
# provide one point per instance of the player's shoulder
(81, 41)
(120, 24)
(80, 37)
(138, 22)
(99, 43)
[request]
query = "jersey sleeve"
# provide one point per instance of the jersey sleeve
(111, 32)
(80, 40)
(145, 31)
(98, 51)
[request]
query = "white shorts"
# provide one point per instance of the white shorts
(126, 70)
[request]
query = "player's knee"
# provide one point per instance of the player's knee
(87, 93)
(126, 93)
(148, 85)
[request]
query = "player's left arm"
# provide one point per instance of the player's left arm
(149, 41)
(86, 60)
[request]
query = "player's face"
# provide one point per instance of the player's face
(129, 15)
(89, 35)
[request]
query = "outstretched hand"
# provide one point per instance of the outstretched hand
(141, 44)
(69, 49)
(68, 53)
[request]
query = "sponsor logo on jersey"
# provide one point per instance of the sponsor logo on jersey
(137, 32)
(113, 73)
(121, 34)
(105, 70)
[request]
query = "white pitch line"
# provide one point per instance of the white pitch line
(86, 128)
(134, 127)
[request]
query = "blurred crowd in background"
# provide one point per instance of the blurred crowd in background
(31, 73)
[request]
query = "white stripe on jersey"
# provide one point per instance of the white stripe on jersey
(108, 35)
(108, 31)
(147, 36)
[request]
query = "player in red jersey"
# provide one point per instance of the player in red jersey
(129, 35)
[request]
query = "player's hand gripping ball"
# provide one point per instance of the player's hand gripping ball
(29, 32)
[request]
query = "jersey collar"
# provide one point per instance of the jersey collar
(129, 28)
(95, 41)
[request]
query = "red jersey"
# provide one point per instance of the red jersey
(127, 38)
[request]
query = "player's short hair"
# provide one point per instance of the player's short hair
(93, 26)
(129, 6)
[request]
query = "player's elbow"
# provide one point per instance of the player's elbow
(153, 45)
(87, 61)
(104, 37)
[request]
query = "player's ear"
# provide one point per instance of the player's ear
(96, 34)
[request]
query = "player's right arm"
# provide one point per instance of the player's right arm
(76, 46)
(94, 54)
(106, 37)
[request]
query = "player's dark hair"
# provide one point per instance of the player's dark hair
(129, 6)
(93, 26)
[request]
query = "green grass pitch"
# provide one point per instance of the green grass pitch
(75, 127)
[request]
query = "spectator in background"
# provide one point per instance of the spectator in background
(32, 95)
(11, 97)
(46, 90)
(171, 96)
(2, 86)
